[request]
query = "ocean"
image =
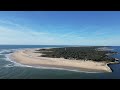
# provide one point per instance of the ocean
(12, 70)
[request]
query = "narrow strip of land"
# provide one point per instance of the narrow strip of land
(29, 57)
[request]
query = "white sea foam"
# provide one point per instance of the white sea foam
(4, 50)
(9, 65)
(7, 51)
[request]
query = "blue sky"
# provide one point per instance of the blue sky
(60, 27)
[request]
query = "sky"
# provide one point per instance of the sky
(60, 28)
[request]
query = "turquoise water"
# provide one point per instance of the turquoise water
(13, 70)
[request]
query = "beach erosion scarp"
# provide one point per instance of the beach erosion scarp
(29, 57)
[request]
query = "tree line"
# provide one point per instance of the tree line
(78, 53)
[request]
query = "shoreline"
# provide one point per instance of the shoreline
(28, 57)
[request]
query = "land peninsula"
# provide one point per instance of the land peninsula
(93, 59)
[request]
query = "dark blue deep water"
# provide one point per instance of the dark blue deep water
(12, 70)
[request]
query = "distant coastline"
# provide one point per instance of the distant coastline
(29, 57)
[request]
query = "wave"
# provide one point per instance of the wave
(41, 67)
(9, 65)
(7, 51)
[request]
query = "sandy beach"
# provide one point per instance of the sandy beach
(29, 57)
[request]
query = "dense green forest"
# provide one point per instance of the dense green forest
(78, 53)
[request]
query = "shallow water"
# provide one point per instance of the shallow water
(13, 70)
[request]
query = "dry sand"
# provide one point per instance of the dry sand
(28, 57)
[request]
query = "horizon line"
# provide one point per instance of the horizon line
(59, 45)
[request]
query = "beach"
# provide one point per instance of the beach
(29, 57)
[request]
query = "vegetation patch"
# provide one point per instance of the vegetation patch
(79, 53)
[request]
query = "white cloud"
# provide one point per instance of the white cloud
(10, 35)
(25, 35)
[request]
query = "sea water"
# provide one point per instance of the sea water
(13, 70)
